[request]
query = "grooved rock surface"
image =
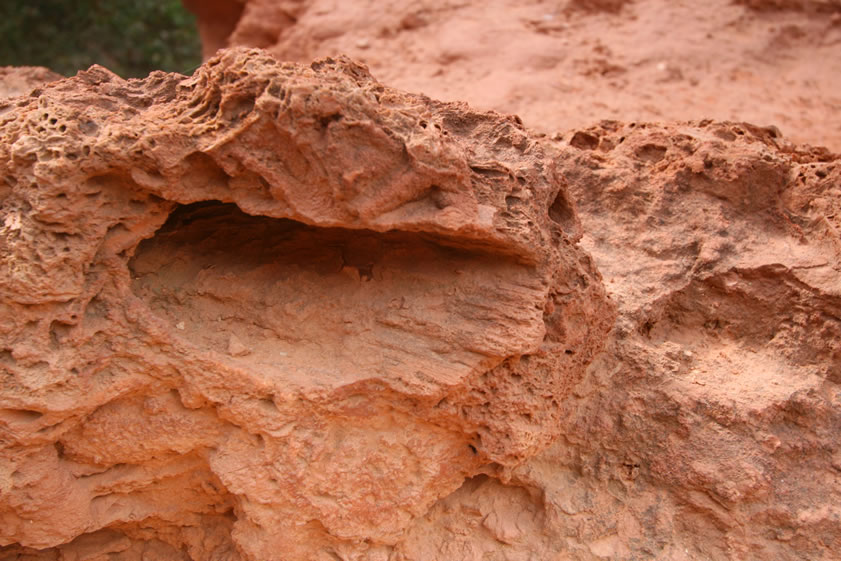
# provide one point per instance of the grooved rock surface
(278, 312)
(569, 64)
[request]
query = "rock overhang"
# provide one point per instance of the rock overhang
(308, 264)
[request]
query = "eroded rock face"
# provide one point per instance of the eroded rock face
(708, 428)
(274, 312)
(816, 6)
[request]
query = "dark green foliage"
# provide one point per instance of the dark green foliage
(129, 37)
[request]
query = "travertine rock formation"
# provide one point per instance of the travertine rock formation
(275, 312)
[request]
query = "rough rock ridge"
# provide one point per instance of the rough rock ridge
(274, 312)
(707, 429)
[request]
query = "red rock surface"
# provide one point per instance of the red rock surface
(276, 334)
(20, 80)
(707, 430)
(273, 308)
(569, 64)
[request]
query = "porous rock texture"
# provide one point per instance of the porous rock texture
(708, 429)
(274, 311)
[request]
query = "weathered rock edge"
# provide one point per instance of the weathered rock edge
(349, 300)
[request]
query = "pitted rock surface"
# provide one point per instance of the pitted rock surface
(707, 430)
(273, 311)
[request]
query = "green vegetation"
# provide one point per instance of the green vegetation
(129, 37)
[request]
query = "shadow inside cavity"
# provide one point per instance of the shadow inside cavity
(330, 303)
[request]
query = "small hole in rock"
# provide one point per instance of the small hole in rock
(561, 212)
(651, 153)
(584, 141)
